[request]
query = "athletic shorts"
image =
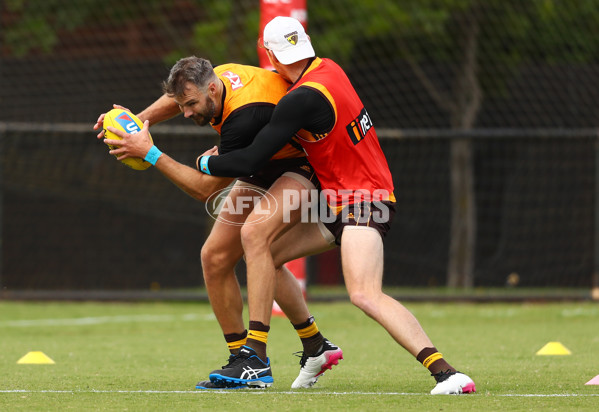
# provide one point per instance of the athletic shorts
(297, 167)
(376, 215)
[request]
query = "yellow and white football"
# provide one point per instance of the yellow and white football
(129, 123)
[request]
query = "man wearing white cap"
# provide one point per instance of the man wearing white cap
(324, 112)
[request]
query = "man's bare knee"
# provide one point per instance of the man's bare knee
(253, 238)
(216, 261)
(366, 302)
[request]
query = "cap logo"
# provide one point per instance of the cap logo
(292, 38)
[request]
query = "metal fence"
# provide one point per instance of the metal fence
(73, 218)
(496, 95)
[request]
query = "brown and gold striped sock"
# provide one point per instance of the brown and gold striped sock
(236, 341)
(310, 336)
(257, 338)
(433, 360)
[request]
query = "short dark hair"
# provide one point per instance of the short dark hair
(190, 69)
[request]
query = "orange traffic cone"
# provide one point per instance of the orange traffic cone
(298, 268)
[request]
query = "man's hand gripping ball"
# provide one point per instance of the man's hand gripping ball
(128, 139)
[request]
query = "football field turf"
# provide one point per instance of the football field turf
(148, 356)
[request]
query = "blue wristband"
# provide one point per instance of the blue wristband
(153, 155)
(204, 164)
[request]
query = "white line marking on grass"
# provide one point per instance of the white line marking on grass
(104, 319)
(300, 392)
(548, 395)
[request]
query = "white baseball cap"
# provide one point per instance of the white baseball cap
(287, 39)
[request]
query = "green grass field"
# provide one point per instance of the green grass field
(148, 356)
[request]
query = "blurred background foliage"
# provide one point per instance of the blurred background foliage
(459, 50)
(496, 77)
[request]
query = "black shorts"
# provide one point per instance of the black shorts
(277, 168)
(377, 215)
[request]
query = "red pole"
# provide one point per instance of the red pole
(269, 9)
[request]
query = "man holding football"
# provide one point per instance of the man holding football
(324, 111)
(238, 101)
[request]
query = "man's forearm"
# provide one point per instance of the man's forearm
(196, 184)
(162, 109)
